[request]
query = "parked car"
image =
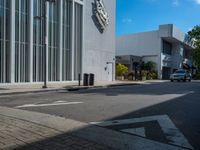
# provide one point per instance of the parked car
(181, 75)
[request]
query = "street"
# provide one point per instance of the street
(164, 112)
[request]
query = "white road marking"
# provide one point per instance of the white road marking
(171, 132)
(52, 104)
(136, 131)
(60, 102)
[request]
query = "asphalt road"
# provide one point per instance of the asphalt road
(180, 102)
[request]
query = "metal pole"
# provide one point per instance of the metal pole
(45, 46)
(79, 79)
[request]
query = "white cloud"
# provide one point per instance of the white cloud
(127, 20)
(197, 1)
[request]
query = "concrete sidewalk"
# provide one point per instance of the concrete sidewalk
(31, 88)
(19, 134)
(25, 130)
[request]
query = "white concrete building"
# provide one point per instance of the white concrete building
(168, 47)
(80, 39)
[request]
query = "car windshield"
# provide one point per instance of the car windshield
(180, 71)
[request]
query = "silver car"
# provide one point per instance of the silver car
(181, 75)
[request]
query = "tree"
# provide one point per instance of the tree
(195, 36)
(149, 66)
(121, 70)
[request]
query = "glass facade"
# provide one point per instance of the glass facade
(64, 54)
(4, 41)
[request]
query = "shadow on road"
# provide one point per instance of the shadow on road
(145, 89)
(183, 111)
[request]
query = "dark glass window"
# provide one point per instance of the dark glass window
(21, 41)
(4, 42)
(67, 51)
(167, 48)
(38, 42)
(78, 40)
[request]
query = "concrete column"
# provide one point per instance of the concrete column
(177, 55)
(60, 38)
(12, 41)
(181, 55)
(30, 45)
(47, 40)
(72, 41)
(160, 61)
(83, 39)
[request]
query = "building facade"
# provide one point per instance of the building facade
(77, 41)
(168, 47)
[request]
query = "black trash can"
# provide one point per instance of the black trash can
(91, 79)
(85, 79)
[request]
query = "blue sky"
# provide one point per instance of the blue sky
(144, 15)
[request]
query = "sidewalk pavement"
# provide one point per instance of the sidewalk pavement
(19, 134)
(8, 89)
(25, 130)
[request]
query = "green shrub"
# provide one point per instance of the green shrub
(150, 66)
(152, 75)
(121, 70)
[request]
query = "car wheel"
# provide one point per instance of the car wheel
(178, 80)
(189, 80)
(172, 80)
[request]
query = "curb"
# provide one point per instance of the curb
(50, 90)
(70, 89)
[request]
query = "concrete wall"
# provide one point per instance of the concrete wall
(99, 48)
(139, 44)
(178, 34)
(165, 30)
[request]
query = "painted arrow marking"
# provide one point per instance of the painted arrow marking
(136, 131)
(57, 103)
(172, 133)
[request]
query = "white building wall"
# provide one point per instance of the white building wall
(178, 34)
(165, 30)
(147, 44)
(150, 43)
(139, 44)
(99, 48)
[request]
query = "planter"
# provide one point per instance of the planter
(120, 77)
(131, 78)
(144, 78)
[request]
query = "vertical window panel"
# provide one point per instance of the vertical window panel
(67, 35)
(38, 40)
(4, 42)
(21, 37)
(78, 41)
(53, 49)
